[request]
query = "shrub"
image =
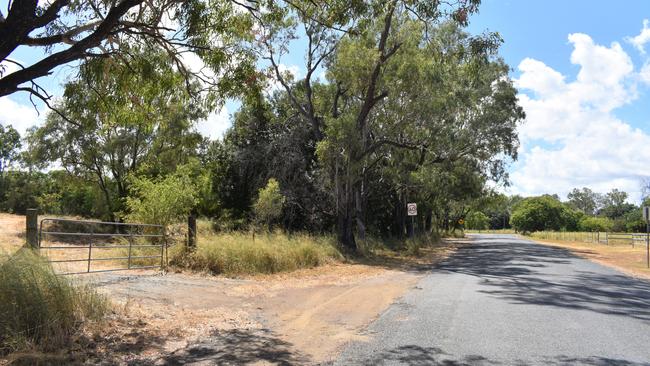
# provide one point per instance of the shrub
(268, 207)
(41, 308)
(542, 213)
(594, 224)
(477, 220)
(164, 201)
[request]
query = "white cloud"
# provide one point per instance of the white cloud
(644, 74)
(575, 138)
(215, 125)
(642, 38)
(20, 116)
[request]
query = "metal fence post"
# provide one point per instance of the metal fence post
(31, 228)
(647, 243)
(191, 232)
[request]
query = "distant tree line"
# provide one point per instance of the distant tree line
(583, 210)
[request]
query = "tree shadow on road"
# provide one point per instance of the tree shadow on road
(236, 347)
(413, 355)
(517, 270)
(421, 356)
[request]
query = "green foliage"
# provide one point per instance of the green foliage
(122, 119)
(615, 206)
(162, 201)
(39, 307)
(9, 147)
(634, 221)
(584, 200)
(270, 201)
(477, 220)
(595, 224)
(542, 213)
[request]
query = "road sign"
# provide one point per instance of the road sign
(646, 213)
(412, 209)
(461, 221)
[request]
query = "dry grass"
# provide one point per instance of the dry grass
(12, 232)
(499, 231)
(39, 308)
(586, 237)
(239, 253)
(622, 257)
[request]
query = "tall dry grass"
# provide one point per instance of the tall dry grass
(39, 308)
(239, 253)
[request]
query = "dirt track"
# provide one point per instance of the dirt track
(304, 317)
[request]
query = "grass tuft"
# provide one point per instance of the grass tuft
(39, 308)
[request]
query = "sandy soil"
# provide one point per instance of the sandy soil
(625, 258)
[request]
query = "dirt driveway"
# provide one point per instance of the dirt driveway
(298, 318)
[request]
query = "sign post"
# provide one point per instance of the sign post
(412, 210)
(646, 218)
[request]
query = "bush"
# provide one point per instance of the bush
(238, 253)
(594, 224)
(41, 308)
(163, 201)
(268, 207)
(542, 213)
(477, 220)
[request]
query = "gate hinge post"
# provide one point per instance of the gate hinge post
(31, 229)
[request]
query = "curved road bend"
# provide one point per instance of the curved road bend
(508, 301)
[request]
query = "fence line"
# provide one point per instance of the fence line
(607, 238)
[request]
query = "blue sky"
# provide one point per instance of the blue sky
(582, 83)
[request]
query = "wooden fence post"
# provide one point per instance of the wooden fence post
(31, 228)
(191, 232)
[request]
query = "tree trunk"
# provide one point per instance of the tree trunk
(360, 212)
(345, 211)
(427, 220)
(345, 224)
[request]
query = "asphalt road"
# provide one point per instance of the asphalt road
(507, 301)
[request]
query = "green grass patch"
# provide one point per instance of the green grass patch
(39, 308)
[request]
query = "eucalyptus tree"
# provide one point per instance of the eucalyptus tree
(120, 119)
(10, 145)
(67, 31)
(585, 200)
(441, 98)
(327, 26)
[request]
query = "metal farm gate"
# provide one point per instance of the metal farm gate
(77, 244)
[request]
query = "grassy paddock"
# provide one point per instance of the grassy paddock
(586, 237)
(39, 308)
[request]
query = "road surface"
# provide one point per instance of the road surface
(508, 301)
